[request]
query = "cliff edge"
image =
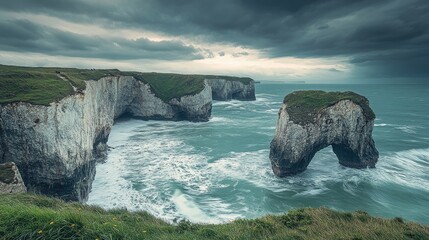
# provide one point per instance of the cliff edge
(312, 120)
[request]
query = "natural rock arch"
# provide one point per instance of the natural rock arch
(344, 122)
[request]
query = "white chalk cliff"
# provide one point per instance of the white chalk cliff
(54, 146)
(224, 89)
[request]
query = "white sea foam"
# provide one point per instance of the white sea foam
(381, 124)
(221, 119)
(189, 209)
(150, 164)
(407, 168)
(311, 192)
(410, 129)
(231, 103)
(266, 95)
(407, 129)
(261, 99)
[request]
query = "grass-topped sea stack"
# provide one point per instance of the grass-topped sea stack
(312, 120)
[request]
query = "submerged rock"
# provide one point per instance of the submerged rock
(312, 120)
(10, 179)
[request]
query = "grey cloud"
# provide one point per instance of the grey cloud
(404, 64)
(381, 37)
(240, 54)
(24, 36)
(334, 70)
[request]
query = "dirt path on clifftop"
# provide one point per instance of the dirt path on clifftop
(63, 77)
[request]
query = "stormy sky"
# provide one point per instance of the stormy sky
(320, 41)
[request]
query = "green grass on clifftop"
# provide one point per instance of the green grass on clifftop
(79, 76)
(168, 85)
(29, 216)
(303, 106)
(171, 85)
(42, 85)
(31, 85)
(245, 80)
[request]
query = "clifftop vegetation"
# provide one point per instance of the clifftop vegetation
(171, 85)
(303, 106)
(168, 85)
(28, 216)
(43, 85)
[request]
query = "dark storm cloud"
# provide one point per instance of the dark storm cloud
(385, 37)
(24, 36)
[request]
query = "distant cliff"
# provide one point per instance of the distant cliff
(226, 89)
(54, 145)
(312, 120)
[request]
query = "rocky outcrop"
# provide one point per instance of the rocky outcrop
(54, 146)
(343, 124)
(225, 89)
(10, 179)
(195, 108)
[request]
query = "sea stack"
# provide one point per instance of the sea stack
(312, 120)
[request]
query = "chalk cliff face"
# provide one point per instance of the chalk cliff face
(54, 146)
(342, 125)
(224, 89)
(194, 108)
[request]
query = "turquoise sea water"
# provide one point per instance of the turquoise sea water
(218, 171)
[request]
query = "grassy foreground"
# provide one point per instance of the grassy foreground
(42, 85)
(303, 106)
(28, 216)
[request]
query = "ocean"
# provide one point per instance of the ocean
(220, 170)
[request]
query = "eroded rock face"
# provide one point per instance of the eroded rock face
(54, 146)
(223, 89)
(195, 108)
(343, 125)
(10, 179)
